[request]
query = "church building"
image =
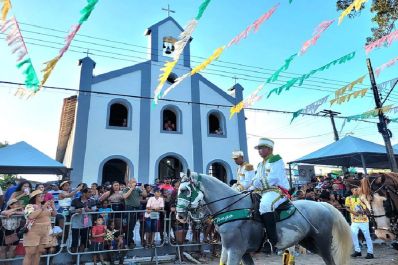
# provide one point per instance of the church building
(113, 131)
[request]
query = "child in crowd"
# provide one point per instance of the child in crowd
(104, 209)
(152, 215)
(55, 235)
(97, 238)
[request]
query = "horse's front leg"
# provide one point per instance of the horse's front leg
(234, 256)
(224, 256)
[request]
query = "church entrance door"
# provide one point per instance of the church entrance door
(115, 170)
(218, 170)
(170, 166)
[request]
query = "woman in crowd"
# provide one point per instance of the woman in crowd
(38, 217)
(10, 226)
(81, 222)
(65, 198)
(40, 187)
(22, 192)
(116, 199)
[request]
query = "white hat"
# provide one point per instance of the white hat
(236, 154)
(264, 142)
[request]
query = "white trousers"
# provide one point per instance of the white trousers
(364, 227)
(267, 203)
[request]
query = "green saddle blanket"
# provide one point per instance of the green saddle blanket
(284, 211)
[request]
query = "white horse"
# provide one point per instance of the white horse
(329, 235)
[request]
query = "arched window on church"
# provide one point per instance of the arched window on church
(218, 170)
(119, 113)
(171, 119)
(216, 123)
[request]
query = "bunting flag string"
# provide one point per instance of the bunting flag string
(310, 109)
(386, 65)
(16, 42)
(217, 53)
(275, 76)
(357, 4)
(349, 87)
(179, 47)
(253, 98)
(50, 65)
(296, 114)
(387, 84)
(316, 35)
(371, 113)
(300, 80)
(4, 10)
(346, 98)
(388, 39)
(313, 107)
(255, 26)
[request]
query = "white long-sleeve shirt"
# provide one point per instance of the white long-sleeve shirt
(269, 174)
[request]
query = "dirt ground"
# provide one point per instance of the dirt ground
(384, 255)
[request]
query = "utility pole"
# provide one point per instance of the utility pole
(331, 114)
(382, 125)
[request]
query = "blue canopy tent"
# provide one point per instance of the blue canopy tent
(350, 151)
(22, 158)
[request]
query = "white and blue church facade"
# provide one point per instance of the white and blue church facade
(122, 134)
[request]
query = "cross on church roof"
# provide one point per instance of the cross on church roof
(168, 10)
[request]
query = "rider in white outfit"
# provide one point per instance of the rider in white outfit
(244, 173)
(270, 180)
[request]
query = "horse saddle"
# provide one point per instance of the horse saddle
(283, 212)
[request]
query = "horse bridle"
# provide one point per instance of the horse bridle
(203, 205)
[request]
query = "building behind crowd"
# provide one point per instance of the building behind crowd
(115, 137)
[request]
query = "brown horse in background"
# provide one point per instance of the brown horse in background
(381, 191)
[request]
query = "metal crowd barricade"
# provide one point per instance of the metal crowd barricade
(54, 221)
(189, 235)
(121, 221)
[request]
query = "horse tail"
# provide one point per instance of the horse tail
(342, 241)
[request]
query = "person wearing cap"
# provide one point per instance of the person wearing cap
(244, 173)
(357, 206)
(10, 222)
(272, 183)
(38, 215)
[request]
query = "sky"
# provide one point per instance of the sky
(114, 38)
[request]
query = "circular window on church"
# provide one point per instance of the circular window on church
(172, 78)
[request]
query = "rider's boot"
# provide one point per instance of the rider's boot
(270, 226)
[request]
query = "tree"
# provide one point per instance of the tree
(3, 144)
(6, 181)
(386, 13)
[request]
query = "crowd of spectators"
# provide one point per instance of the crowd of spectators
(88, 218)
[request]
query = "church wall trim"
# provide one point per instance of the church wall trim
(216, 89)
(222, 122)
(130, 166)
(225, 164)
(125, 103)
(119, 72)
(179, 119)
(82, 117)
(179, 157)
(145, 123)
(196, 126)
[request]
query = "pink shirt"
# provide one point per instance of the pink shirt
(154, 203)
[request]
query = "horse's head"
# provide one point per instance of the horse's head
(189, 197)
(383, 229)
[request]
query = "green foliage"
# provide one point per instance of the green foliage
(385, 11)
(6, 181)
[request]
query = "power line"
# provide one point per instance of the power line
(144, 47)
(170, 100)
(316, 88)
(291, 138)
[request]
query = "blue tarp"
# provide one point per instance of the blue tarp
(348, 152)
(22, 158)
